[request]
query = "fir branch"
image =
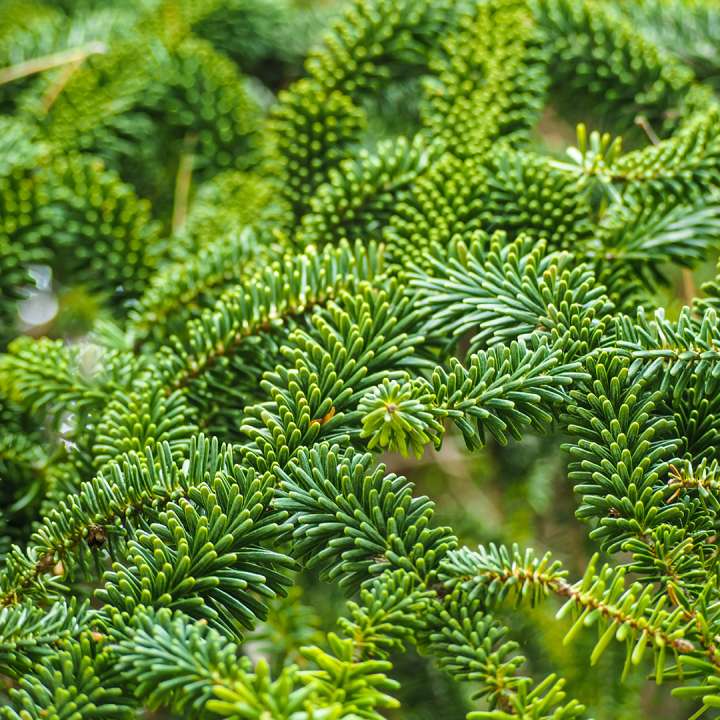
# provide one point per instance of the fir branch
(601, 596)
(84, 522)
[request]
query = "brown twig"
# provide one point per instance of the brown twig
(642, 122)
(183, 181)
(53, 92)
(689, 291)
(48, 62)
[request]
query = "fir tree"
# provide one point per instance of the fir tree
(285, 257)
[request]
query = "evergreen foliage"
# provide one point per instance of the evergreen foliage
(281, 237)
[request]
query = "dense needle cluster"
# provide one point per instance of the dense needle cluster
(319, 231)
